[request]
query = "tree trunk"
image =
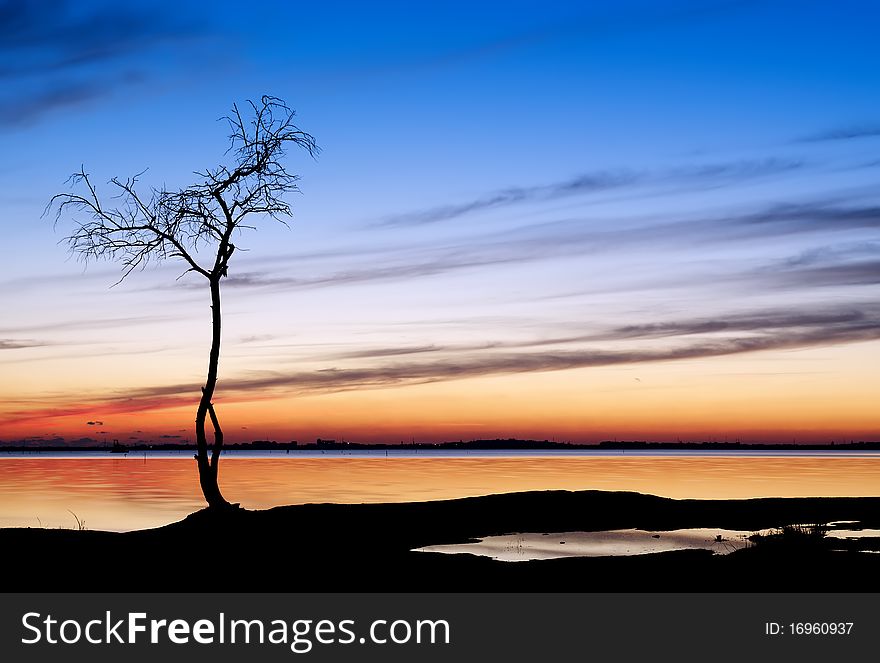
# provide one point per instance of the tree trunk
(208, 468)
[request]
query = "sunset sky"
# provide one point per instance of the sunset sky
(578, 221)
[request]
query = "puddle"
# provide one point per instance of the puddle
(531, 546)
(849, 529)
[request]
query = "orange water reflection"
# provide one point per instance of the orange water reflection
(131, 493)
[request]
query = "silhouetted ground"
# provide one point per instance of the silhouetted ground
(367, 547)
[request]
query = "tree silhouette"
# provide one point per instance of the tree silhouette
(204, 219)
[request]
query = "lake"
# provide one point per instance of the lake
(132, 491)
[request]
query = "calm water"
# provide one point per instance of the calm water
(525, 546)
(116, 492)
(554, 545)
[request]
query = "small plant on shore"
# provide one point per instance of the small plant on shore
(741, 542)
(80, 523)
(794, 535)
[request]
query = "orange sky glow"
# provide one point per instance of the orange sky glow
(773, 397)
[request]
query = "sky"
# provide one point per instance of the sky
(569, 221)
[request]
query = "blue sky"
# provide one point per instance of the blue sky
(494, 180)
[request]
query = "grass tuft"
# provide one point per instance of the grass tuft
(80, 523)
(801, 536)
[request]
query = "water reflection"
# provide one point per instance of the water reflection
(135, 492)
(530, 546)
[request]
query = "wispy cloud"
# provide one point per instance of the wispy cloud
(582, 184)
(853, 132)
(393, 272)
(57, 54)
(58, 34)
(343, 379)
(18, 344)
(28, 108)
(105, 408)
(833, 254)
(816, 215)
(495, 363)
(861, 273)
(571, 237)
(392, 352)
(97, 350)
(255, 338)
(850, 318)
(88, 324)
(703, 175)
(835, 321)
(698, 338)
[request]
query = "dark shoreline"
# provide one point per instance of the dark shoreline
(367, 547)
(500, 445)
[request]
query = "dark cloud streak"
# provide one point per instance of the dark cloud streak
(15, 344)
(58, 54)
(390, 352)
(335, 380)
(53, 35)
(575, 237)
(843, 274)
(24, 110)
(583, 184)
(754, 332)
(702, 175)
(821, 216)
(863, 317)
(89, 324)
(843, 133)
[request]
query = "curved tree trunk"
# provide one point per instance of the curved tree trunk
(208, 468)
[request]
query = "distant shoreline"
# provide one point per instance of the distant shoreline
(473, 445)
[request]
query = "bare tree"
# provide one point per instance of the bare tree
(204, 219)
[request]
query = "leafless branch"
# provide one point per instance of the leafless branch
(206, 215)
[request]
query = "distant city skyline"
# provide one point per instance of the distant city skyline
(528, 220)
